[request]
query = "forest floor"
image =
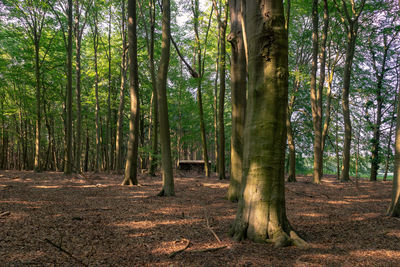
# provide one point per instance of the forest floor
(49, 219)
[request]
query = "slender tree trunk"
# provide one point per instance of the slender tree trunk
(107, 146)
(98, 158)
(221, 128)
(120, 121)
(290, 137)
(199, 93)
(216, 103)
(38, 115)
(389, 143)
(261, 214)
(238, 91)
(154, 150)
(68, 164)
(78, 39)
(316, 99)
(166, 161)
(130, 177)
(337, 148)
(377, 126)
(351, 43)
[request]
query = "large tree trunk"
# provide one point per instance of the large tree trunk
(238, 91)
(68, 134)
(261, 214)
(167, 175)
(130, 177)
(120, 121)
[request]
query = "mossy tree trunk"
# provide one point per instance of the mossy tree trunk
(238, 91)
(261, 215)
(130, 177)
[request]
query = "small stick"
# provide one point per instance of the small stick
(209, 249)
(6, 213)
(66, 252)
(211, 230)
(173, 254)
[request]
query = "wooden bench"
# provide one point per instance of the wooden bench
(192, 165)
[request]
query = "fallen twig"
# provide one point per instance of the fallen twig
(211, 230)
(209, 249)
(6, 213)
(66, 252)
(173, 254)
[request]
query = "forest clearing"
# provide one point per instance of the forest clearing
(100, 223)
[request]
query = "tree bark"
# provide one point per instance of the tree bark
(261, 215)
(130, 177)
(167, 175)
(238, 94)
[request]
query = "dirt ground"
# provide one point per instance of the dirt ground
(49, 219)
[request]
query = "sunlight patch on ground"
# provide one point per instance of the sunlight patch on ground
(312, 214)
(338, 202)
(378, 253)
(215, 185)
(46, 186)
(137, 224)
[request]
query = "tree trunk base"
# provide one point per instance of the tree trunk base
(280, 238)
(165, 193)
(292, 179)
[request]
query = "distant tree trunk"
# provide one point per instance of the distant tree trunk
(261, 214)
(221, 128)
(87, 148)
(108, 153)
(380, 75)
(78, 39)
(98, 158)
(389, 143)
(68, 134)
(38, 115)
(351, 24)
(394, 208)
(290, 137)
(316, 99)
(199, 94)
(216, 105)
(120, 121)
(337, 148)
(154, 140)
(238, 91)
(166, 162)
(130, 177)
